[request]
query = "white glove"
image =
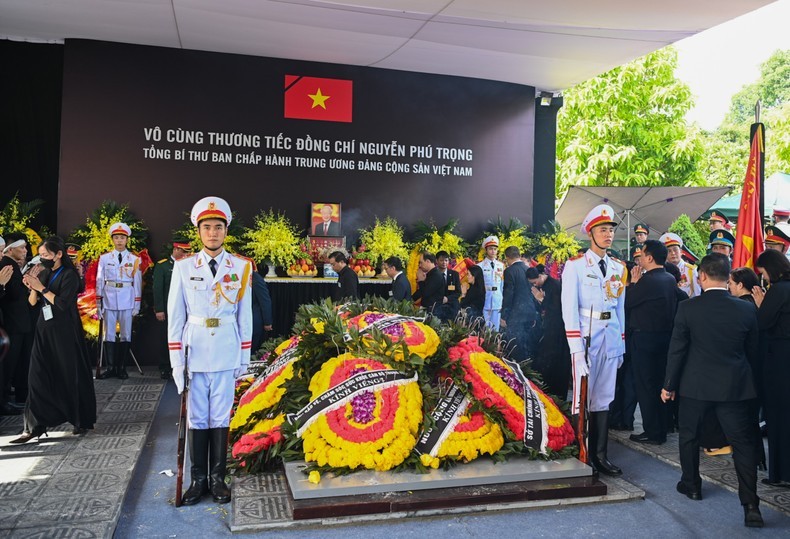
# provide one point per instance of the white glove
(580, 364)
(241, 370)
(178, 378)
(135, 311)
(99, 314)
(619, 362)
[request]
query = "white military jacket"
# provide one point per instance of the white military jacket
(493, 278)
(211, 316)
(119, 285)
(583, 288)
(689, 279)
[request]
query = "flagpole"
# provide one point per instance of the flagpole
(755, 126)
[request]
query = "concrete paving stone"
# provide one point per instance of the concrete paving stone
(250, 511)
(34, 449)
(70, 509)
(121, 406)
(22, 487)
(99, 461)
(79, 530)
(10, 511)
(256, 485)
(10, 421)
(141, 386)
(124, 417)
(129, 396)
(121, 429)
(110, 443)
(41, 466)
(102, 398)
(84, 483)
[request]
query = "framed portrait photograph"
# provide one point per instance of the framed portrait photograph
(325, 219)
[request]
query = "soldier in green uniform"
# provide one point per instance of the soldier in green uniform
(162, 273)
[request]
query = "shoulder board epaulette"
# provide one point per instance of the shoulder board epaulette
(577, 257)
(163, 261)
(618, 261)
(187, 257)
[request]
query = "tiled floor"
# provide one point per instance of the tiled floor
(73, 486)
(719, 470)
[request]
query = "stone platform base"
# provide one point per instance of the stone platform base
(264, 502)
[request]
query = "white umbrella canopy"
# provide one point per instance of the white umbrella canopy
(656, 207)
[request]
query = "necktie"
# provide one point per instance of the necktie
(212, 265)
(492, 264)
(326, 228)
(602, 265)
(445, 278)
(120, 257)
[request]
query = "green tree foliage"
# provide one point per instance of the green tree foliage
(691, 237)
(626, 127)
(726, 149)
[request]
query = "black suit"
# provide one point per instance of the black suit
(17, 322)
(452, 291)
(401, 287)
(334, 229)
(431, 291)
(650, 305)
(347, 285)
(518, 309)
(714, 345)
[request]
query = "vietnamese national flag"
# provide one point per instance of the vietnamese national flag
(313, 98)
(749, 234)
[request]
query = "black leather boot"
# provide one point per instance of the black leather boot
(198, 451)
(218, 457)
(599, 424)
(123, 353)
(109, 361)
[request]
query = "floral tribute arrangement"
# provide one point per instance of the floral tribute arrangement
(273, 238)
(556, 247)
(383, 240)
(374, 385)
(513, 233)
(433, 239)
(17, 216)
(94, 241)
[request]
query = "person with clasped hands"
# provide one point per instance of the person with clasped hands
(710, 367)
(773, 318)
(61, 384)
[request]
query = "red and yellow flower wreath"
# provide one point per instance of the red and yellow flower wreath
(419, 337)
(377, 430)
(473, 436)
(493, 382)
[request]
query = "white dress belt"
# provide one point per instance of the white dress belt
(596, 315)
(210, 322)
(118, 284)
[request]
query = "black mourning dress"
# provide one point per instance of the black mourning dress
(553, 359)
(60, 381)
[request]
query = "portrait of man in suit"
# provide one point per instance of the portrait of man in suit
(325, 219)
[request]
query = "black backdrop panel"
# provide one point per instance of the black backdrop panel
(467, 143)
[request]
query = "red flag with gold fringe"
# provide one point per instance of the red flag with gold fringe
(749, 234)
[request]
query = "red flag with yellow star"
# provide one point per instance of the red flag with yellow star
(749, 234)
(314, 98)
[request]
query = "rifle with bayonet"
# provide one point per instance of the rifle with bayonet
(582, 426)
(182, 434)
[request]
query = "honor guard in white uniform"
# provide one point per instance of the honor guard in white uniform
(689, 278)
(209, 323)
(593, 302)
(118, 294)
(493, 275)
